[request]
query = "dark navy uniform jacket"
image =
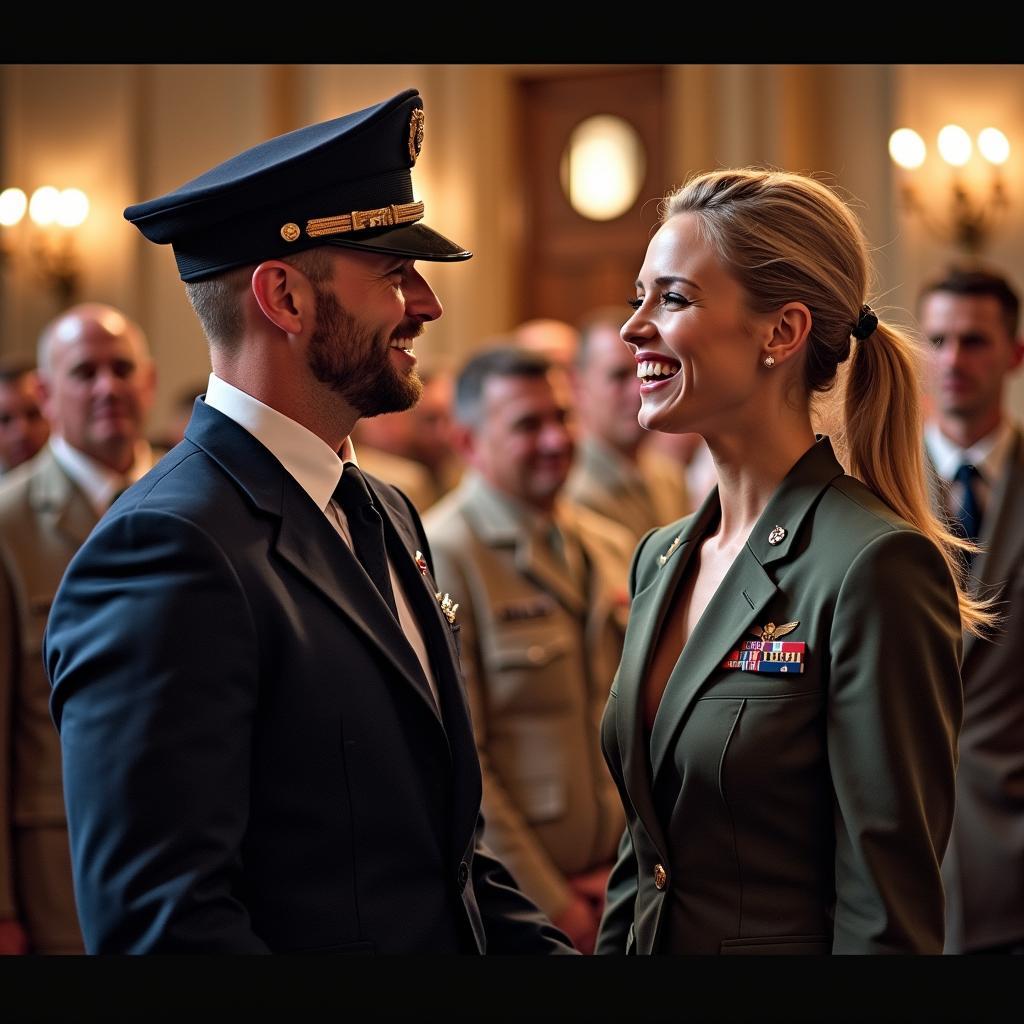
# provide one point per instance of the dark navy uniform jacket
(253, 760)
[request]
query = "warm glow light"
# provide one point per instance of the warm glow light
(994, 145)
(42, 207)
(12, 206)
(72, 207)
(603, 167)
(906, 148)
(954, 145)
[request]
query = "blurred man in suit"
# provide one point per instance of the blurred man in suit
(23, 428)
(266, 742)
(971, 318)
(541, 590)
(97, 383)
(616, 473)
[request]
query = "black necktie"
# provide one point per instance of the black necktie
(367, 530)
(969, 513)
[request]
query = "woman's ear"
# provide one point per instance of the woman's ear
(790, 328)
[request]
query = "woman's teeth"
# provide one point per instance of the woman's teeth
(650, 369)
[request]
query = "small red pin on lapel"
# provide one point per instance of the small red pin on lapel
(421, 562)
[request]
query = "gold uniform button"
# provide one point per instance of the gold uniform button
(660, 878)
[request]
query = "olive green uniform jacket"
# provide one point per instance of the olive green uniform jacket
(791, 813)
(44, 519)
(539, 650)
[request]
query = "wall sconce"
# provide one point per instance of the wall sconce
(971, 217)
(49, 243)
(603, 167)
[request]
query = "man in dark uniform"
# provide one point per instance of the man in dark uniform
(266, 742)
(972, 319)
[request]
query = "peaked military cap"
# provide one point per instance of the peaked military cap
(344, 182)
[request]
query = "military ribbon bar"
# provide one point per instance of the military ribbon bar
(783, 656)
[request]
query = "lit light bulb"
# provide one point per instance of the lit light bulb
(72, 207)
(954, 145)
(13, 203)
(993, 145)
(907, 148)
(42, 207)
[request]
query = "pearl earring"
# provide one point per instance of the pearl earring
(769, 361)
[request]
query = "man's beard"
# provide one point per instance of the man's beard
(356, 362)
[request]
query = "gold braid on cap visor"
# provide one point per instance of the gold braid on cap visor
(359, 220)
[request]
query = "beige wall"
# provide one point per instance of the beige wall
(126, 133)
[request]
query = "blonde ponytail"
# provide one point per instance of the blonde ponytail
(885, 448)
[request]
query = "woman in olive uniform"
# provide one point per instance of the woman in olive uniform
(783, 725)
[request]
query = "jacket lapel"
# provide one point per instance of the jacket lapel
(743, 595)
(498, 525)
(305, 539)
(1002, 532)
(646, 614)
(438, 634)
(57, 499)
(738, 602)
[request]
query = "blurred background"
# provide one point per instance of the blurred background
(550, 173)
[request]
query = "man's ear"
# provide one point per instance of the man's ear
(463, 441)
(44, 391)
(1018, 353)
(285, 296)
(790, 327)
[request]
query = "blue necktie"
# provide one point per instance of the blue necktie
(969, 513)
(367, 530)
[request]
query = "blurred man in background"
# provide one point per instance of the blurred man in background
(541, 588)
(23, 428)
(615, 473)
(972, 318)
(97, 383)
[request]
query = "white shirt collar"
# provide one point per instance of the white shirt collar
(100, 484)
(309, 459)
(987, 455)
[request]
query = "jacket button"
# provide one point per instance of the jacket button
(463, 875)
(660, 878)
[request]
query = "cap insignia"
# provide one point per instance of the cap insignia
(416, 119)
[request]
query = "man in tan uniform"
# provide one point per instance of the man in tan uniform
(97, 383)
(617, 473)
(541, 591)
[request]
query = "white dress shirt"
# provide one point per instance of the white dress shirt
(316, 468)
(988, 456)
(100, 484)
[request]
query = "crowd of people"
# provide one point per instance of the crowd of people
(590, 644)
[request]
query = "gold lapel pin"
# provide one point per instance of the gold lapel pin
(777, 535)
(448, 609)
(772, 632)
(662, 559)
(421, 562)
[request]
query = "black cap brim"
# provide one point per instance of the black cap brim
(415, 241)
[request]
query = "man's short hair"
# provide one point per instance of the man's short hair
(605, 318)
(218, 300)
(963, 281)
(504, 361)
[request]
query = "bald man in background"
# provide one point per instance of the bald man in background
(555, 340)
(97, 385)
